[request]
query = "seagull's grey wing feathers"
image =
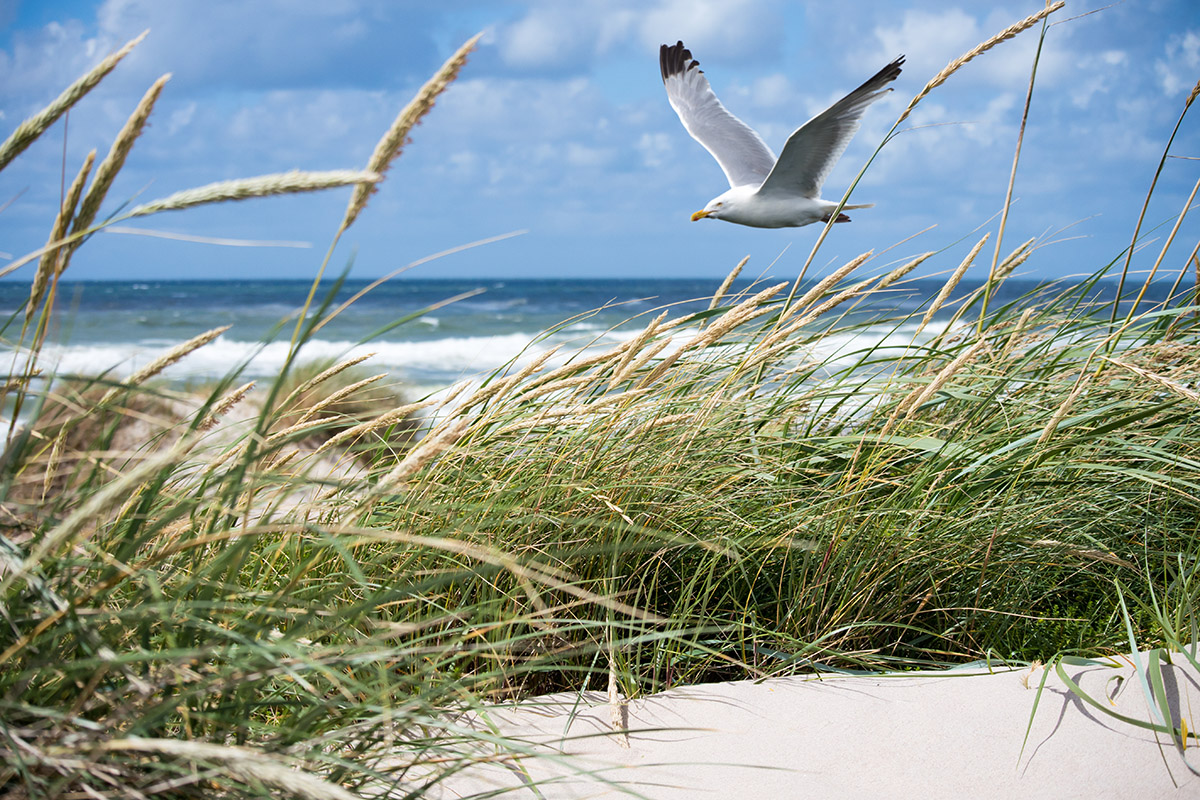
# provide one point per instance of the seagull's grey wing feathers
(813, 149)
(742, 154)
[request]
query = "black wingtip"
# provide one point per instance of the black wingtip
(885, 76)
(675, 59)
(892, 70)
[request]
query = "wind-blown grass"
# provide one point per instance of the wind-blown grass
(726, 494)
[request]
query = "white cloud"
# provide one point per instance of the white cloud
(1100, 72)
(738, 29)
(548, 38)
(772, 90)
(180, 118)
(928, 39)
(1177, 70)
(933, 39)
(589, 157)
(558, 35)
(655, 148)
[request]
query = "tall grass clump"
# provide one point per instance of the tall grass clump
(263, 591)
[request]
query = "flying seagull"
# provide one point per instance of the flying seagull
(765, 192)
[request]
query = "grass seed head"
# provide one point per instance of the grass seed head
(32, 128)
(978, 50)
(393, 142)
(52, 261)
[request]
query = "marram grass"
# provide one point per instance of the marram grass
(197, 601)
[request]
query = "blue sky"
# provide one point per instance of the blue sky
(559, 126)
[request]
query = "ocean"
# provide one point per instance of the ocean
(421, 341)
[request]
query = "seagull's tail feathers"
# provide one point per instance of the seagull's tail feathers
(848, 207)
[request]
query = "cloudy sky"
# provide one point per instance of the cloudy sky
(559, 126)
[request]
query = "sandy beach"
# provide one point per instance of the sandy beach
(931, 735)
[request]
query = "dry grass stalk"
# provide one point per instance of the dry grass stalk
(323, 376)
(769, 345)
(633, 367)
(978, 50)
(112, 163)
(579, 414)
(162, 362)
(502, 386)
(1066, 406)
(635, 345)
(279, 459)
(833, 302)
(827, 283)
(292, 182)
(393, 417)
(79, 520)
(1084, 552)
(339, 395)
(1031, 679)
(1017, 335)
(245, 764)
(618, 709)
(534, 366)
(222, 406)
(430, 448)
(32, 128)
(743, 312)
(577, 382)
(1015, 259)
(670, 419)
(725, 284)
(62, 221)
(52, 462)
(1183, 212)
(1173, 386)
(392, 143)
(452, 395)
(917, 398)
(679, 322)
(280, 436)
(950, 284)
(578, 366)
(1191, 97)
(901, 271)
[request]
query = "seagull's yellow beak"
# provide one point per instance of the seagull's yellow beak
(700, 215)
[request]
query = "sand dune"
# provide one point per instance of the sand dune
(930, 735)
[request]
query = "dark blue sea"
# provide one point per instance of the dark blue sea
(416, 335)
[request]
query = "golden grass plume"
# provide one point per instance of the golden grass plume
(51, 260)
(173, 355)
(978, 50)
(32, 128)
(392, 143)
(291, 182)
(112, 163)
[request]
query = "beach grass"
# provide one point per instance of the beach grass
(760, 488)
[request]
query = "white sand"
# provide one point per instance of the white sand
(927, 735)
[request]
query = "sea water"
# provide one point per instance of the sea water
(423, 341)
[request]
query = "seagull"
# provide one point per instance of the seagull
(765, 192)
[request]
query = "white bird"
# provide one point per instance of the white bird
(765, 192)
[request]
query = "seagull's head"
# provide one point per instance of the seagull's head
(725, 205)
(713, 209)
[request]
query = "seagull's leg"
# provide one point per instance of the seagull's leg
(840, 218)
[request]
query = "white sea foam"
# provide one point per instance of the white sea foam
(428, 364)
(425, 366)
(450, 355)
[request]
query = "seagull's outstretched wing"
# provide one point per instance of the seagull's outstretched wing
(742, 154)
(813, 149)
